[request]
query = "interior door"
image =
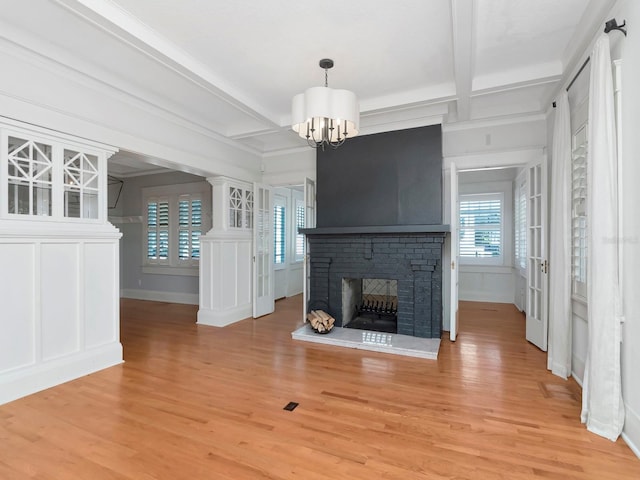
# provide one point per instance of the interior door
(263, 291)
(453, 308)
(537, 267)
(309, 222)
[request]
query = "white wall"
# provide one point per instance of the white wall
(289, 168)
(627, 49)
(490, 283)
(43, 92)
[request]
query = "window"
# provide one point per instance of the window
(579, 212)
(189, 227)
(174, 222)
(279, 235)
(299, 237)
(521, 221)
(158, 230)
(481, 228)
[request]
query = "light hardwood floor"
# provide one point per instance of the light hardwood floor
(196, 402)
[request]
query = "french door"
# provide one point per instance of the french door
(537, 266)
(263, 285)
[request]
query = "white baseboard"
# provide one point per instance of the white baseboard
(25, 381)
(222, 318)
(631, 430)
(577, 368)
(170, 297)
(482, 296)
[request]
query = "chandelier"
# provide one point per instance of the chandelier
(324, 116)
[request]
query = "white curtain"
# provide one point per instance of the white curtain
(602, 406)
(559, 356)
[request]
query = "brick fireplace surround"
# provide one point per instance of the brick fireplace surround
(412, 255)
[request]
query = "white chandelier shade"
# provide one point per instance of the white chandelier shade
(324, 116)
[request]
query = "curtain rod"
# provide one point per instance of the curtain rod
(575, 77)
(608, 26)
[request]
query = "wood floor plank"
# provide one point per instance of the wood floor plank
(199, 402)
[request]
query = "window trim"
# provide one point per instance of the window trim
(173, 265)
(485, 261)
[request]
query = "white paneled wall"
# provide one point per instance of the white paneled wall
(59, 296)
(225, 278)
(225, 256)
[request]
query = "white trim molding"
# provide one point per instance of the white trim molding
(157, 296)
(631, 431)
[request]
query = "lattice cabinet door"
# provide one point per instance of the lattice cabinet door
(29, 177)
(81, 185)
(47, 175)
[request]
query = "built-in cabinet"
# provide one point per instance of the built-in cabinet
(59, 257)
(226, 254)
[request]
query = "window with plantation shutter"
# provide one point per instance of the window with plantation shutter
(520, 211)
(480, 234)
(158, 230)
(189, 227)
(579, 212)
(174, 224)
(299, 237)
(279, 243)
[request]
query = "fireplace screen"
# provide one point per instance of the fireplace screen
(370, 304)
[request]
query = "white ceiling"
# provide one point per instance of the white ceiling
(232, 66)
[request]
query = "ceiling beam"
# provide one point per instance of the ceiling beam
(462, 16)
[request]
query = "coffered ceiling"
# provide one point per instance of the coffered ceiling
(231, 67)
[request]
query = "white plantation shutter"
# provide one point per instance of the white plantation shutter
(299, 237)
(579, 211)
(481, 228)
(196, 227)
(278, 234)
(158, 230)
(189, 227)
(521, 221)
(175, 219)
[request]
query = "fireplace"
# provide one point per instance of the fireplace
(379, 217)
(370, 304)
(383, 279)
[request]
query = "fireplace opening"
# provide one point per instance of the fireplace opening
(370, 304)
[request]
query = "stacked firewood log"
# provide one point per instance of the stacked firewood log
(320, 321)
